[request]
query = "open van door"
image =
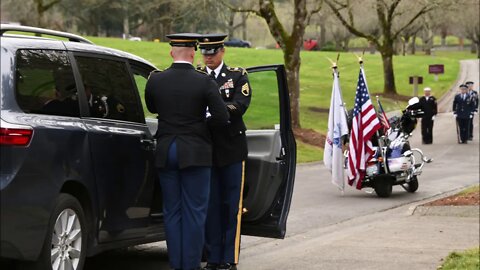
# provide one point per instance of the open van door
(270, 167)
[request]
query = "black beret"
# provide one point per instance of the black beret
(469, 82)
(463, 86)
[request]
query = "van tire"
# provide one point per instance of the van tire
(69, 212)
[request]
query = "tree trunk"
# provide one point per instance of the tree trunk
(231, 21)
(389, 78)
(338, 45)
(443, 35)
(244, 26)
(323, 33)
(478, 49)
(404, 45)
(371, 47)
(414, 45)
(473, 47)
(443, 41)
(292, 65)
(126, 28)
(346, 41)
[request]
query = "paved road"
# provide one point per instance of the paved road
(325, 227)
(321, 214)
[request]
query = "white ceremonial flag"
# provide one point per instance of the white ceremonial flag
(337, 127)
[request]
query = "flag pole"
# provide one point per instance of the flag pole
(379, 139)
(335, 73)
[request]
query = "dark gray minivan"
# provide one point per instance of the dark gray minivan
(77, 175)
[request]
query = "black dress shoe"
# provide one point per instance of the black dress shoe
(211, 266)
(227, 266)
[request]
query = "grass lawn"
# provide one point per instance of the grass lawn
(316, 78)
(470, 190)
(465, 260)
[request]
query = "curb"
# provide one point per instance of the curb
(448, 210)
(419, 208)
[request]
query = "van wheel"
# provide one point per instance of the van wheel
(66, 240)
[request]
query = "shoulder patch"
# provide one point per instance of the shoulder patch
(202, 71)
(246, 90)
(238, 69)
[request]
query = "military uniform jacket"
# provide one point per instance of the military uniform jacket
(474, 99)
(180, 96)
(429, 106)
(230, 144)
(463, 108)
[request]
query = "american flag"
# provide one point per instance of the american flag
(364, 124)
(383, 117)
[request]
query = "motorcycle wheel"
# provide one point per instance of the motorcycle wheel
(383, 186)
(412, 186)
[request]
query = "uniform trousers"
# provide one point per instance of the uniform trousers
(470, 128)
(462, 129)
(185, 202)
(427, 129)
(224, 214)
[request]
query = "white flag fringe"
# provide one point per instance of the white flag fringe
(337, 127)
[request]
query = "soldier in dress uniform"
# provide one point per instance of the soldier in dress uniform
(229, 155)
(429, 108)
(180, 96)
(474, 99)
(463, 112)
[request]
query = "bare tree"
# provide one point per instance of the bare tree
(410, 33)
(289, 41)
(320, 22)
(387, 15)
(471, 25)
(427, 34)
(43, 6)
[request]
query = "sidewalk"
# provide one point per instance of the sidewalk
(407, 237)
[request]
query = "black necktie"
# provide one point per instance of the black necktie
(212, 74)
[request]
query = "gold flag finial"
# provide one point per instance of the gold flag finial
(360, 58)
(334, 64)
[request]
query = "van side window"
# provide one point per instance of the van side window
(140, 75)
(45, 83)
(109, 88)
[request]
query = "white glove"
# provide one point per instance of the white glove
(455, 115)
(471, 116)
(433, 117)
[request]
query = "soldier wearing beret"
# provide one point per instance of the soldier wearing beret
(462, 110)
(229, 155)
(180, 96)
(474, 99)
(429, 108)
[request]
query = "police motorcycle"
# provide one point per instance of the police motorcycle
(394, 162)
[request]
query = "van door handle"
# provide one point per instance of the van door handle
(147, 143)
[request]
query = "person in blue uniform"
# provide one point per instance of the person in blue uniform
(463, 112)
(428, 104)
(180, 96)
(229, 155)
(474, 99)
